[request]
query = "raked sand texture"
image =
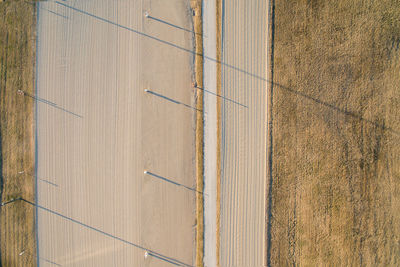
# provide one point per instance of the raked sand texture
(243, 141)
(97, 131)
(210, 132)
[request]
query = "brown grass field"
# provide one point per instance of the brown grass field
(335, 133)
(17, 57)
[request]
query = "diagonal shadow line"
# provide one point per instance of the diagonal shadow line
(161, 41)
(166, 98)
(54, 105)
(49, 261)
(172, 25)
(343, 111)
(41, 258)
(171, 100)
(48, 182)
(172, 182)
(346, 112)
(10, 201)
(224, 98)
(160, 256)
(54, 13)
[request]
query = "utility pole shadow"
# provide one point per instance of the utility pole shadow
(40, 258)
(224, 98)
(232, 67)
(54, 105)
(340, 110)
(48, 182)
(172, 25)
(163, 259)
(152, 252)
(172, 182)
(54, 13)
(171, 100)
(49, 261)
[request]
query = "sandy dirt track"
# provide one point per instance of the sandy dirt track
(243, 141)
(97, 131)
(210, 132)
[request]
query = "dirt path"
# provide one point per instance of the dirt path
(210, 132)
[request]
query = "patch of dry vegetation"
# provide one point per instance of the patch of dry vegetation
(17, 49)
(198, 29)
(336, 133)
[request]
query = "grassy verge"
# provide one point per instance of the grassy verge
(219, 59)
(336, 134)
(198, 28)
(17, 50)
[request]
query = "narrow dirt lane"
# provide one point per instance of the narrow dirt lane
(210, 132)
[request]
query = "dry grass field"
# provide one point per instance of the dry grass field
(17, 49)
(336, 133)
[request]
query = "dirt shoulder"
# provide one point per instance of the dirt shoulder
(17, 56)
(336, 133)
(196, 6)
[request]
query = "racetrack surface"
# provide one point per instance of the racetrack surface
(210, 132)
(243, 140)
(97, 131)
